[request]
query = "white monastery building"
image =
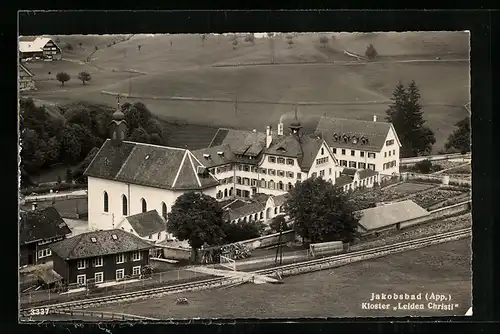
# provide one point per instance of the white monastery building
(127, 178)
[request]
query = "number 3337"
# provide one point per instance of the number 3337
(39, 311)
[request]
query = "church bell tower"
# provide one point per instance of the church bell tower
(118, 125)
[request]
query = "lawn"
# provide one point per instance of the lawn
(443, 269)
(185, 69)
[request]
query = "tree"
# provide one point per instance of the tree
(203, 38)
(370, 52)
(84, 77)
(277, 222)
(460, 138)
(289, 36)
(69, 47)
(59, 179)
(235, 43)
(198, 218)
(80, 44)
(139, 47)
(323, 40)
(406, 115)
(424, 166)
(62, 77)
(321, 212)
(139, 135)
(242, 231)
(270, 34)
(290, 43)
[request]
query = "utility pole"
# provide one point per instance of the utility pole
(236, 104)
(279, 249)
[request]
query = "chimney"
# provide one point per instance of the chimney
(269, 136)
(374, 118)
(34, 206)
(280, 129)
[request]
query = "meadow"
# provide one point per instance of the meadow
(321, 79)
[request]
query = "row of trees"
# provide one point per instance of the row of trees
(319, 210)
(64, 77)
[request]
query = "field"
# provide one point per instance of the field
(443, 269)
(335, 84)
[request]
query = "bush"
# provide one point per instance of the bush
(370, 52)
(424, 166)
(242, 231)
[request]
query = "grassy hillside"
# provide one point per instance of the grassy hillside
(185, 68)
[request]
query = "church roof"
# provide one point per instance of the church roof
(334, 129)
(150, 166)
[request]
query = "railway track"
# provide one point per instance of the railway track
(285, 270)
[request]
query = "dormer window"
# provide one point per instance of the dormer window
(335, 137)
(346, 139)
(220, 153)
(354, 140)
(206, 156)
(282, 149)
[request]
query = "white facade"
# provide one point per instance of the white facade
(274, 175)
(154, 198)
(385, 161)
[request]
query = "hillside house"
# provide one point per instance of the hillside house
(362, 144)
(37, 230)
(111, 255)
(37, 48)
(26, 82)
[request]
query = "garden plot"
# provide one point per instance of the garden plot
(435, 196)
(396, 193)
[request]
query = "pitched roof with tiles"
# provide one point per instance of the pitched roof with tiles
(343, 180)
(304, 148)
(261, 197)
(147, 223)
(214, 158)
(82, 246)
(390, 214)
(365, 173)
(245, 210)
(349, 171)
(243, 142)
(40, 225)
(149, 165)
(334, 129)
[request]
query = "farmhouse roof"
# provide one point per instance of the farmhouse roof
(147, 223)
(35, 45)
(333, 131)
(303, 147)
(99, 243)
(23, 69)
(390, 214)
(40, 225)
(150, 166)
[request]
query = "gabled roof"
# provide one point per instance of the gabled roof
(243, 142)
(390, 214)
(349, 171)
(375, 132)
(23, 68)
(304, 148)
(147, 223)
(150, 166)
(82, 246)
(214, 158)
(35, 45)
(41, 225)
